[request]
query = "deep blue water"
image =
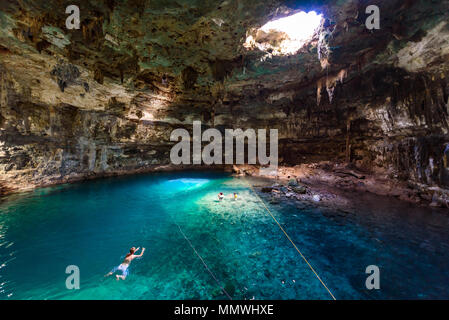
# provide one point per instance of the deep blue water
(93, 224)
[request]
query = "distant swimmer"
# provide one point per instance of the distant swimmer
(123, 268)
(220, 196)
(235, 196)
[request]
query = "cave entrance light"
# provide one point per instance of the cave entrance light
(297, 29)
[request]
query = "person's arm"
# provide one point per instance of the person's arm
(141, 254)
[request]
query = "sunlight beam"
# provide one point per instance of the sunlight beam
(299, 28)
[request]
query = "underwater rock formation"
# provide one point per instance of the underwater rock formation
(104, 99)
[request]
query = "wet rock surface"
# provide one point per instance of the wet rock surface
(104, 99)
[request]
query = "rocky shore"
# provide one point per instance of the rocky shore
(319, 183)
(325, 182)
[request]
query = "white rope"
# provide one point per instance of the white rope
(294, 245)
(204, 263)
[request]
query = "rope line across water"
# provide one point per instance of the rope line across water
(288, 237)
(202, 260)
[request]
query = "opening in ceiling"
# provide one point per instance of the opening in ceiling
(285, 35)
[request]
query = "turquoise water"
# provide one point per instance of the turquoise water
(93, 224)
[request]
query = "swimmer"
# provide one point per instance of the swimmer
(235, 196)
(220, 196)
(123, 268)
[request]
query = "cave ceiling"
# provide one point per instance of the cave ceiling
(187, 48)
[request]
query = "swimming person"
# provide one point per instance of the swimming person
(220, 196)
(123, 267)
(235, 196)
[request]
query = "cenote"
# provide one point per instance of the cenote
(93, 224)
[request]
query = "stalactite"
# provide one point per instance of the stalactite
(348, 139)
(93, 29)
(98, 76)
(324, 50)
(330, 82)
(428, 103)
(318, 92)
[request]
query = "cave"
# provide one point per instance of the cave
(330, 118)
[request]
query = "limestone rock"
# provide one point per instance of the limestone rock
(103, 100)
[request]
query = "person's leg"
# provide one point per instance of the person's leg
(124, 271)
(111, 272)
(123, 276)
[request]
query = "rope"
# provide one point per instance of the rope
(294, 245)
(204, 263)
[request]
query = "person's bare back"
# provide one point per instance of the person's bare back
(131, 255)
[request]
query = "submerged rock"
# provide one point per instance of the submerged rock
(267, 189)
(283, 189)
(299, 189)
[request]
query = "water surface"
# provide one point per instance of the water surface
(93, 224)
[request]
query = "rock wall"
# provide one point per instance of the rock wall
(50, 143)
(104, 99)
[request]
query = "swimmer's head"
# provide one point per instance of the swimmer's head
(132, 250)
